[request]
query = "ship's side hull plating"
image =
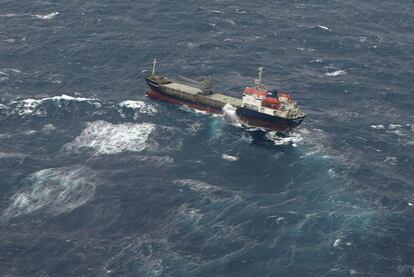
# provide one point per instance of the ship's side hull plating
(247, 116)
(157, 92)
(253, 118)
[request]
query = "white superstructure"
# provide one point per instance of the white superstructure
(270, 102)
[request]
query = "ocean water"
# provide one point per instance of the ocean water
(98, 180)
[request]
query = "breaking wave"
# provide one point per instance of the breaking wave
(229, 113)
(41, 107)
(291, 138)
(137, 107)
(53, 191)
(335, 73)
(230, 158)
(46, 16)
(107, 138)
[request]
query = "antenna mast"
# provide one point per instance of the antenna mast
(258, 81)
(153, 66)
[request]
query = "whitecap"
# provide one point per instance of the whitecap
(190, 44)
(107, 138)
(323, 28)
(8, 15)
(391, 160)
(53, 191)
(230, 158)
(194, 127)
(378, 127)
(29, 106)
(318, 60)
(362, 39)
(353, 272)
(196, 185)
(14, 70)
(140, 106)
(48, 128)
(394, 126)
(332, 173)
(10, 155)
(68, 98)
(337, 243)
(335, 73)
(230, 21)
(277, 139)
(26, 107)
(47, 16)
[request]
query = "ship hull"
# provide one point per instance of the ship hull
(247, 116)
(253, 118)
(157, 92)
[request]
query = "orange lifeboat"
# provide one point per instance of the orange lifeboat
(271, 102)
(285, 95)
(253, 91)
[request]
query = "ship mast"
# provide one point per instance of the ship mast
(153, 66)
(258, 81)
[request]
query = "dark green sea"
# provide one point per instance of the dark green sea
(98, 180)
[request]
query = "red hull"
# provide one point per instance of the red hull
(160, 96)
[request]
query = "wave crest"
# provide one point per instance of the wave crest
(41, 107)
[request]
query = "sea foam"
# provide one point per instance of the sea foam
(230, 158)
(46, 16)
(107, 138)
(139, 106)
(229, 113)
(27, 107)
(53, 191)
(335, 73)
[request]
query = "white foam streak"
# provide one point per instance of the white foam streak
(324, 28)
(196, 185)
(107, 138)
(230, 158)
(47, 16)
(8, 15)
(54, 191)
(378, 127)
(335, 73)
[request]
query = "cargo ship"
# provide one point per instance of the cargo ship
(260, 106)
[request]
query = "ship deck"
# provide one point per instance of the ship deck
(183, 88)
(194, 94)
(225, 99)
